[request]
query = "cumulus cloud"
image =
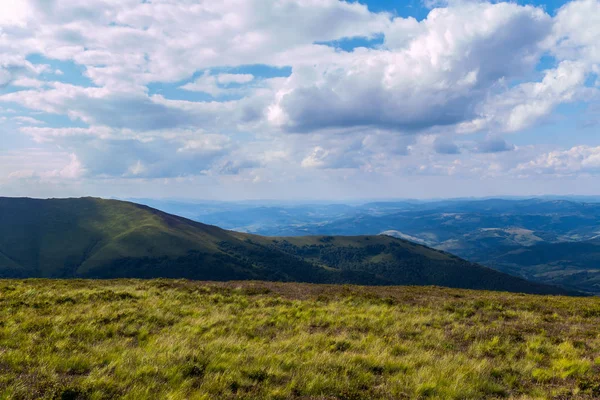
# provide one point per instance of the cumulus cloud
(564, 162)
(37, 164)
(74, 169)
(127, 43)
(15, 69)
(429, 73)
(396, 108)
(523, 105)
(576, 33)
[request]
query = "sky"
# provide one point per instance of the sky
(299, 99)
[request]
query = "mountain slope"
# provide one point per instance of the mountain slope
(95, 238)
(569, 264)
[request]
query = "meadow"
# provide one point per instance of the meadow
(177, 339)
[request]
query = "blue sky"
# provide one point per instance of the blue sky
(247, 99)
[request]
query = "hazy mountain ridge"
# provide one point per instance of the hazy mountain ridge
(97, 238)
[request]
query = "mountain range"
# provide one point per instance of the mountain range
(551, 240)
(97, 238)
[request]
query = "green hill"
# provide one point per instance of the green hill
(96, 238)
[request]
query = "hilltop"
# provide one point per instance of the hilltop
(97, 238)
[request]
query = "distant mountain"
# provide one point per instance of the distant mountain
(95, 238)
(487, 231)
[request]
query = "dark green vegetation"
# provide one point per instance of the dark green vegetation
(569, 264)
(552, 241)
(95, 238)
(161, 339)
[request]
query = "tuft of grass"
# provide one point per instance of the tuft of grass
(179, 339)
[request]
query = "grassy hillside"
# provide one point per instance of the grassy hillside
(96, 238)
(248, 340)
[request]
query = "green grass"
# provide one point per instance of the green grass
(191, 340)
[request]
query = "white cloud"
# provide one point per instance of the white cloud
(564, 162)
(137, 169)
(316, 159)
(430, 73)
(226, 79)
(14, 13)
(129, 43)
(576, 33)
(14, 68)
(575, 42)
(73, 170)
(27, 120)
(221, 84)
(436, 72)
(559, 85)
(206, 83)
(51, 134)
(391, 110)
(123, 110)
(110, 152)
(38, 164)
(206, 143)
(526, 103)
(28, 82)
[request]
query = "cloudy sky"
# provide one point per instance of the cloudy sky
(299, 99)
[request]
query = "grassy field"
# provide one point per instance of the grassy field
(251, 340)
